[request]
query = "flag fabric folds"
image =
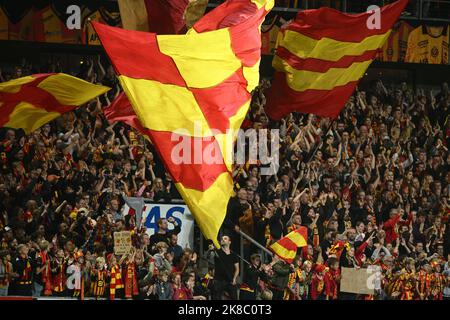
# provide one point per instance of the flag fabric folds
(322, 55)
(121, 110)
(286, 247)
(30, 102)
(161, 16)
(158, 16)
(193, 89)
(137, 204)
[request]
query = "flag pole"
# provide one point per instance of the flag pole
(255, 242)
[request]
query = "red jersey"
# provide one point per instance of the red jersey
(59, 276)
(317, 287)
(183, 293)
(391, 227)
(331, 283)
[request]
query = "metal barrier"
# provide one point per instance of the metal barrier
(264, 252)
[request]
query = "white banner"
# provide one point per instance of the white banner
(181, 214)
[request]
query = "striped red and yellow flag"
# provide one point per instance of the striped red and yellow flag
(194, 88)
(161, 16)
(321, 57)
(286, 247)
(30, 102)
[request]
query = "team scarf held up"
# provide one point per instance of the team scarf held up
(203, 78)
(321, 57)
(30, 102)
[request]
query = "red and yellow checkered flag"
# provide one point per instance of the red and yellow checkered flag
(286, 247)
(196, 88)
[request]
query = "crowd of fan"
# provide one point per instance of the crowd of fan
(372, 188)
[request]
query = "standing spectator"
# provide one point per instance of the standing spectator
(235, 210)
(163, 234)
(43, 271)
(226, 270)
(161, 262)
(58, 267)
(163, 288)
(5, 272)
(253, 273)
(98, 278)
(279, 280)
(175, 248)
(23, 266)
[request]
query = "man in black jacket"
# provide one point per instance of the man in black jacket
(235, 209)
(23, 266)
(163, 234)
(279, 220)
(252, 274)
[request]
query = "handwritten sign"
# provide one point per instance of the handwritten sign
(122, 242)
(361, 281)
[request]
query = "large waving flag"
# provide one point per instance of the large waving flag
(30, 102)
(121, 110)
(286, 247)
(161, 16)
(321, 57)
(158, 16)
(194, 88)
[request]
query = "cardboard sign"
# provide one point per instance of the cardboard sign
(122, 242)
(360, 281)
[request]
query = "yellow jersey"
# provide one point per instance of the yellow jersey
(428, 45)
(394, 49)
